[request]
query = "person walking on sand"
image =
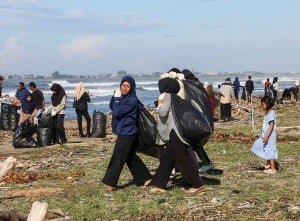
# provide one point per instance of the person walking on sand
(249, 85)
(236, 88)
(177, 152)
(38, 98)
(265, 146)
(57, 108)
(81, 99)
(124, 106)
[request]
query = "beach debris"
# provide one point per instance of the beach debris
(6, 165)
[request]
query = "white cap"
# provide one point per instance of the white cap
(297, 83)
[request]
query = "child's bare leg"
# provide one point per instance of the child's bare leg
(272, 164)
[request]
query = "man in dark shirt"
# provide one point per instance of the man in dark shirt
(1, 82)
(38, 98)
(250, 88)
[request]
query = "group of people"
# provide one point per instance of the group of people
(31, 106)
(175, 151)
(271, 89)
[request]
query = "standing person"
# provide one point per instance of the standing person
(177, 151)
(1, 82)
(249, 88)
(227, 95)
(57, 108)
(265, 146)
(267, 87)
(38, 98)
(297, 86)
(275, 88)
(236, 88)
(81, 99)
(28, 108)
(124, 106)
(21, 93)
(211, 96)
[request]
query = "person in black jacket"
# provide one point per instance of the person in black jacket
(250, 88)
(81, 99)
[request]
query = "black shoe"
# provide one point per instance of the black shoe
(89, 135)
(82, 135)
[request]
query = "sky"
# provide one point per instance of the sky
(97, 36)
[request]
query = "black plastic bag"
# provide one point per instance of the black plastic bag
(147, 132)
(99, 124)
(4, 118)
(194, 90)
(23, 136)
(13, 117)
(9, 117)
(190, 121)
(45, 130)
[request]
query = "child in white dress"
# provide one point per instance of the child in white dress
(265, 146)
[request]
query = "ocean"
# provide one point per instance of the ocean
(101, 89)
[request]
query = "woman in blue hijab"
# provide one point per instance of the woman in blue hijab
(124, 106)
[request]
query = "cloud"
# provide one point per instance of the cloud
(14, 53)
(33, 16)
(84, 48)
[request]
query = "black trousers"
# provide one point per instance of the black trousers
(225, 111)
(125, 152)
(59, 129)
(202, 155)
(183, 156)
(87, 117)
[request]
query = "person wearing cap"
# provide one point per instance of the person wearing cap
(227, 96)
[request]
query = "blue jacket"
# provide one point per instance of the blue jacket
(21, 94)
(125, 112)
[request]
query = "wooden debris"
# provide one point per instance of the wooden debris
(5, 166)
(38, 211)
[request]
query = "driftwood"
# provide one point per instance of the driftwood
(6, 215)
(6, 165)
(38, 211)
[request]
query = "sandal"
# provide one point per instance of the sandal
(267, 166)
(269, 171)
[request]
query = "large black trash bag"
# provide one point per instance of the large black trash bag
(13, 117)
(147, 132)
(23, 136)
(190, 121)
(44, 130)
(194, 90)
(9, 117)
(99, 124)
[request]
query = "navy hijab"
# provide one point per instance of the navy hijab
(27, 107)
